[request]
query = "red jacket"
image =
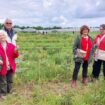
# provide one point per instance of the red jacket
(11, 54)
(86, 44)
(102, 43)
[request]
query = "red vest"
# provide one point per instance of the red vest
(102, 43)
(11, 57)
(86, 45)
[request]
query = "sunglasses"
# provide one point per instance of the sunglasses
(8, 23)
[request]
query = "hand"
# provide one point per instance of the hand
(1, 62)
(16, 49)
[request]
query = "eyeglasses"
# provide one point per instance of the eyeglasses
(8, 23)
(101, 29)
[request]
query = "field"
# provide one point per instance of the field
(44, 71)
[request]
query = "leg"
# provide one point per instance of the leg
(84, 72)
(85, 69)
(75, 74)
(76, 70)
(3, 85)
(9, 80)
(96, 69)
(104, 69)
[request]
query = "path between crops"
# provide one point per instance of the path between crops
(58, 88)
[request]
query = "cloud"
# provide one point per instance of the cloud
(91, 9)
(53, 12)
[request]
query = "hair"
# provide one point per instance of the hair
(83, 28)
(102, 26)
(7, 20)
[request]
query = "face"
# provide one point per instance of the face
(102, 31)
(8, 24)
(2, 37)
(85, 32)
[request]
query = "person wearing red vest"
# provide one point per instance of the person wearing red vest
(8, 53)
(83, 42)
(99, 44)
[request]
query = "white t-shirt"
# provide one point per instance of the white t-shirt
(13, 41)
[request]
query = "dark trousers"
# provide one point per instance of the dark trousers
(6, 82)
(77, 68)
(97, 68)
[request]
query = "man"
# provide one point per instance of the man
(99, 44)
(8, 27)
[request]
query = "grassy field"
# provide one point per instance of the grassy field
(44, 71)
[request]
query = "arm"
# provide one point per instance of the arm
(14, 39)
(76, 45)
(92, 51)
(97, 41)
(16, 52)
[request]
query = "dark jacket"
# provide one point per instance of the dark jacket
(10, 33)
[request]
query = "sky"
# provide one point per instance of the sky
(64, 13)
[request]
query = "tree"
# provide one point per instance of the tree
(39, 28)
(56, 27)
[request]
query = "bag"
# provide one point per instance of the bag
(81, 53)
(101, 54)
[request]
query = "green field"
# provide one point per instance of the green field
(44, 71)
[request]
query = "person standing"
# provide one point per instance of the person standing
(11, 33)
(99, 55)
(8, 53)
(81, 50)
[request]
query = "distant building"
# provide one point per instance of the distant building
(17, 29)
(29, 30)
(71, 29)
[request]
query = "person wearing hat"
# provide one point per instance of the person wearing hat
(99, 55)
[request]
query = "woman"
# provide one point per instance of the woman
(82, 45)
(8, 53)
(99, 44)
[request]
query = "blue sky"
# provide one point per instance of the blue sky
(63, 13)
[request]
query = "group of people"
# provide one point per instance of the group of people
(8, 53)
(85, 49)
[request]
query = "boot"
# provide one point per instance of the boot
(84, 81)
(73, 84)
